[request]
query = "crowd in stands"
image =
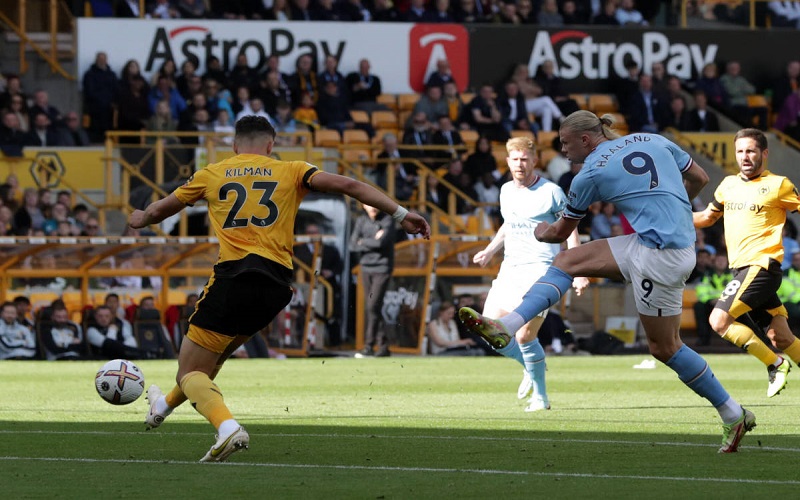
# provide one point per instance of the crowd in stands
(43, 212)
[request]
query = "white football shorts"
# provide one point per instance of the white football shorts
(511, 284)
(658, 276)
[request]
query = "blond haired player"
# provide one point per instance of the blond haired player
(252, 204)
(754, 204)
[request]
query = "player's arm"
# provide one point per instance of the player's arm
(156, 212)
(484, 256)
(557, 232)
(694, 179)
(411, 222)
(706, 218)
(579, 283)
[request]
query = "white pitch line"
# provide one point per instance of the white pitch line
(435, 438)
(582, 475)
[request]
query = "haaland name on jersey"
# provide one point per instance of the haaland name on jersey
(247, 171)
(631, 139)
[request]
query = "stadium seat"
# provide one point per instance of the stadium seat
(688, 321)
(380, 132)
(355, 136)
(406, 102)
(523, 133)
(602, 103)
(470, 137)
(403, 118)
(388, 100)
(359, 116)
(327, 138)
(581, 100)
(384, 119)
(545, 155)
(150, 336)
(545, 139)
(356, 155)
(176, 297)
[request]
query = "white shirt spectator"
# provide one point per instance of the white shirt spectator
(16, 341)
(123, 335)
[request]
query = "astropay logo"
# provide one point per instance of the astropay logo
(429, 43)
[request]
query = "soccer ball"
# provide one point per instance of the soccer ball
(119, 382)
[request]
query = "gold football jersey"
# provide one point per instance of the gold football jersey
(755, 212)
(252, 204)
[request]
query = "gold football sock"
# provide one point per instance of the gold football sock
(745, 338)
(205, 397)
(793, 351)
(175, 397)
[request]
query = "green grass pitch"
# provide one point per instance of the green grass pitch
(401, 427)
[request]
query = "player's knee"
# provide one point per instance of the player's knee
(565, 262)
(719, 321)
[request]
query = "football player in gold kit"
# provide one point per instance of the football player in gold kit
(754, 205)
(252, 204)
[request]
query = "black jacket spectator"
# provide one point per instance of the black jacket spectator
(363, 86)
(99, 85)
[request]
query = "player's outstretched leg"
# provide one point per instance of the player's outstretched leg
(207, 400)
(697, 375)
(743, 336)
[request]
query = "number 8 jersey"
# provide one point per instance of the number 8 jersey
(252, 204)
(642, 174)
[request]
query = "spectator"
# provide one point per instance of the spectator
(279, 11)
(485, 115)
(331, 74)
(524, 11)
(443, 337)
(304, 79)
(486, 191)
(99, 85)
(274, 66)
(416, 12)
(702, 119)
(628, 15)
(242, 102)
(215, 101)
(737, 88)
(92, 227)
(481, 161)
(17, 340)
(432, 104)
(138, 262)
(73, 135)
(455, 106)
(272, 92)
(112, 302)
(678, 117)
(13, 89)
(197, 103)
(788, 120)
(191, 9)
(447, 135)
(187, 73)
(12, 138)
(551, 87)
(29, 216)
(305, 112)
(571, 14)
(133, 106)
(785, 86)
(130, 71)
(364, 88)
(602, 222)
(42, 134)
(625, 87)
(418, 136)
(512, 108)
(442, 75)
(256, 108)
(460, 180)
(709, 289)
(24, 310)
(163, 91)
(214, 71)
(112, 337)
(126, 9)
(373, 240)
(41, 104)
(242, 74)
(647, 111)
(201, 122)
(659, 75)
(163, 121)
(300, 10)
(405, 179)
(702, 267)
(19, 107)
(558, 165)
(384, 11)
(286, 124)
(162, 9)
(63, 339)
(785, 14)
(535, 101)
(325, 11)
(440, 13)
(332, 109)
(331, 266)
(549, 15)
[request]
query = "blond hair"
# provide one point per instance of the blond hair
(521, 144)
(586, 121)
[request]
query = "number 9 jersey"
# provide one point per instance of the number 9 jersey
(252, 204)
(642, 174)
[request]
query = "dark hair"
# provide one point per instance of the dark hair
(103, 307)
(112, 295)
(752, 133)
(21, 299)
(251, 126)
(8, 304)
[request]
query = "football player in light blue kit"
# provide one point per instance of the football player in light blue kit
(525, 201)
(651, 180)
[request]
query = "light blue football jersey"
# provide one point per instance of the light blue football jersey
(523, 209)
(642, 175)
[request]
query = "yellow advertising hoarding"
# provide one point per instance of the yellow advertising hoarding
(43, 167)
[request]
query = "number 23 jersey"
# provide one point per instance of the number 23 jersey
(252, 204)
(642, 174)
